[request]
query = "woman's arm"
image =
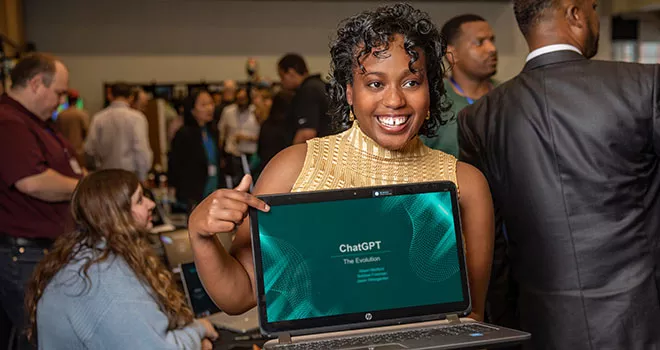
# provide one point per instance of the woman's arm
(136, 324)
(229, 278)
(478, 229)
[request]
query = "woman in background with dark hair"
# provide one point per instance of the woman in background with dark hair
(102, 286)
(194, 158)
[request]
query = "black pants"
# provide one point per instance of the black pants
(17, 262)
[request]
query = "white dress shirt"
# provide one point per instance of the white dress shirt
(119, 139)
(233, 122)
(551, 48)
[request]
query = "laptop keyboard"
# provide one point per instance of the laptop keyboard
(388, 338)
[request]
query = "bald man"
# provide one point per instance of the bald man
(571, 151)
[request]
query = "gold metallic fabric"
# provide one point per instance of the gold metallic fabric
(351, 159)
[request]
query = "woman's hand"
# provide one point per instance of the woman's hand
(224, 210)
(211, 333)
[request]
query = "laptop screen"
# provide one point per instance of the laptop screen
(380, 254)
(199, 301)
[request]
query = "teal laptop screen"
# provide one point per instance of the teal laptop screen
(340, 257)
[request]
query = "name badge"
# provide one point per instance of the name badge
(213, 170)
(75, 166)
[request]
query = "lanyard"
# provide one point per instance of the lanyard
(458, 88)
(209, 144)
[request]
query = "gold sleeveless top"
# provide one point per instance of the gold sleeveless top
(351, 159)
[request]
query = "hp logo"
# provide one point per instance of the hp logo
(368, 317)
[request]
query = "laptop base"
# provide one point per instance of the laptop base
(462, 335)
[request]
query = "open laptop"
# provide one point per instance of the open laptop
(203, 306)
(369, 268)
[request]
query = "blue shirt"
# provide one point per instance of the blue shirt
(117, 311)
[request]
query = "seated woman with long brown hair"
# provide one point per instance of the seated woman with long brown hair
(102, 286)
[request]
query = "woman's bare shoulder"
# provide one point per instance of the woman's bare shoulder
(282, 171)
(471, 181)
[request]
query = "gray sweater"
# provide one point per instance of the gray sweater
(116, 312)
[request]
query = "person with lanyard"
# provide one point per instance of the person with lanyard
(38, 173)
(194, 157)
(472, 54)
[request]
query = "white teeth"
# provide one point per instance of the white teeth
(392, 121)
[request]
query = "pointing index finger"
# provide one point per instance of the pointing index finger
(249, 199)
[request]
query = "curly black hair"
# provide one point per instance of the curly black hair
(359, 34)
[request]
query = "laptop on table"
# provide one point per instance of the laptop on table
(378, 268)
(203, 307)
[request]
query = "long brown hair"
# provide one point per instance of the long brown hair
(101, 208)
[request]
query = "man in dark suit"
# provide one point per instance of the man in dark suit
(571, 150)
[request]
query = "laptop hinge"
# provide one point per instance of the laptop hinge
(284, 338)
(453, 319)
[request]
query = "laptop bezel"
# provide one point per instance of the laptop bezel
(359, 320)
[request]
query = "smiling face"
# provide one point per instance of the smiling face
(389, 101)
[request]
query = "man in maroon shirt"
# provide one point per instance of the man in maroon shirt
(38, 173)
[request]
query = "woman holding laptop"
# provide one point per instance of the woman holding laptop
(387, 85)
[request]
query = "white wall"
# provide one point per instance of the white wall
(191, 40)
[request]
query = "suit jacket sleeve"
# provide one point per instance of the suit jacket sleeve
(467, 141)
(502, 292)
(656, 109)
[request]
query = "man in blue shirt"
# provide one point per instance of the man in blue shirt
(472, 54)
